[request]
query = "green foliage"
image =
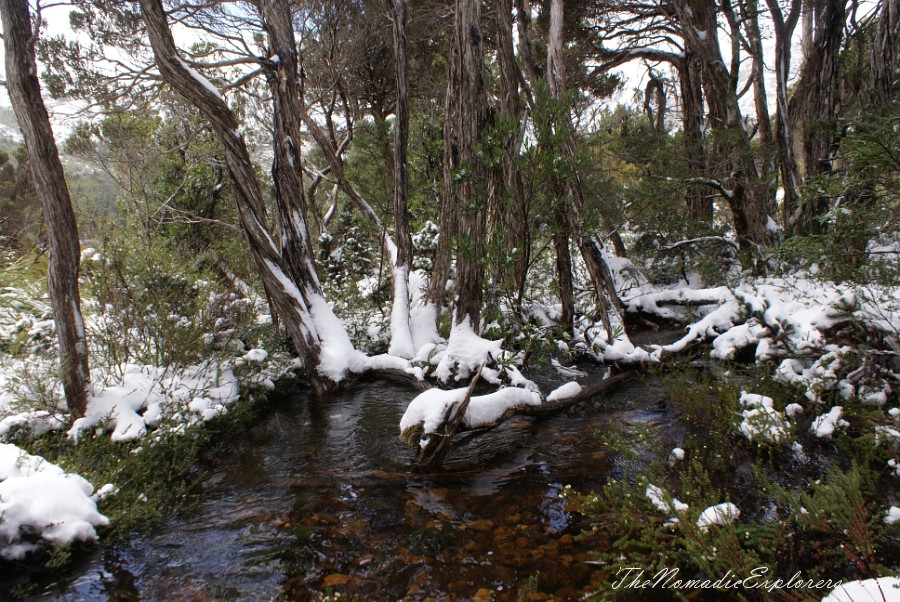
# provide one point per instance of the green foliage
(356, 277)
(21, 218)
(821, 518)
(860, 223)
(154, 477)
(169, 170)
(154, 306)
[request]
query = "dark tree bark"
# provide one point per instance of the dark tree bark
(50, 183)
(290, 299)
(530, 62)
(784, 26)
(561, 237)
(885, 54)
(700, 204)
(749, 12)
(732, 163)
(815, 100)
(513, 219)
(290, 200)
(464, 177)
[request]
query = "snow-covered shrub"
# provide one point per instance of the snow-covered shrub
(153, 307)
(762, 423)
(424, 247)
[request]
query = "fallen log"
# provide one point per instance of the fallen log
(434, 444)
(437, 443)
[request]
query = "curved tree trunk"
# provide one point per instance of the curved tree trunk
(295, 301)
(50, 182)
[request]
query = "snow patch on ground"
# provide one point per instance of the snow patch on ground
(660, 499)
(40, 504)
(762, 420)
(825, 425)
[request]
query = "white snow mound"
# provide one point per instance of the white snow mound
(40, 504)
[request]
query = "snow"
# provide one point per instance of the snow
(761, 419)
(147, 393)
(256, 356)
(486, 409)
(567, 371)
(825, 425)
(37, 422)
(565, 391)
(659, 498)
(466, 351)
(789, 313)
(40, 504)
(423, 326)
(721, 514)
(401, 335)
(676, 455)
(203, 81)
(883, 589)
(793, 409)
(337, 357)
(429, 408)
(893, 515)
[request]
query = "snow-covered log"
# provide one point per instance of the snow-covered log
(434, 416)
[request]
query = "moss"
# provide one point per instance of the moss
(411, 436)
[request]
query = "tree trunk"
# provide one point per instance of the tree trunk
(290, 200)
(561, 238)
(732, 163)
(401, 337)
(885, 54)
(530, 63)
(700, 205)
(592, 250)
(62, 273)
(750, 17)
(293, 301)
(464, 181)
(815, 100)
(784, 132)
(514, 216)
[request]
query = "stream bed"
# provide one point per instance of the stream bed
(318, 498)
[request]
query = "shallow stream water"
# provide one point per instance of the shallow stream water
(318, 498)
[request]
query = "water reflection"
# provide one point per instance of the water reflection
(318, 497)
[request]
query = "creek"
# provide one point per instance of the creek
(318, 498)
